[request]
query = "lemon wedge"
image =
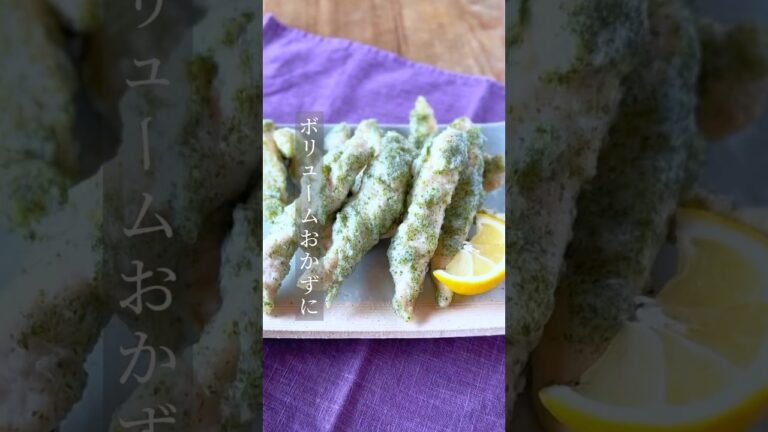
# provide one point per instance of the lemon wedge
(479, 265)
(696, 357)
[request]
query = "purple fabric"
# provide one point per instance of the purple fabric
(350, 82)
(404, 385)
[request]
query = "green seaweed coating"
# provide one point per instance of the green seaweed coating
(559, 110)
(274, 178)
(422, 122)
(416, 238)
(338, 169)
(369, 214)
(623, 212)
(465, 202)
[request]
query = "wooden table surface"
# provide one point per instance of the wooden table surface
(458, 35)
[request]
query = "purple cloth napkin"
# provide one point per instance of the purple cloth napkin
(404, 385)
(350, 82)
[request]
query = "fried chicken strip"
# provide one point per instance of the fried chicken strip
(423, 127)
(562, 102)
(623, 213)
(38, 152)
(274, 175)
(217, 391)
(422, 122)
(368, 214)
(202, 159)
(339, 169)
(338, 135)
(465, 202)
(54, 324)
(416, 238)
(52, 315)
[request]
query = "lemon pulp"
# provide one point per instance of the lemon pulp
(696, 357)
(479, 265)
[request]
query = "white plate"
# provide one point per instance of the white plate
(363, 307)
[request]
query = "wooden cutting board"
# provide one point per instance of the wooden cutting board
(458, 35)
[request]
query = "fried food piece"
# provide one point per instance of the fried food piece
(339, 170)
(38, 152)
(285, 139)
(562, 103)
(423, 127)
(210, 120)
(207, 160)
(54, 324)
(422, 122)
(53, 312)
(493, 178)
(218, 390)
(274, 175)
(416, 238)
(624, 212)
(368, 214)
(280, 245)
(338, 135)
(493, 172)
(466, 200)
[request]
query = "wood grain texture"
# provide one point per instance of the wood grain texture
(464, 36)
